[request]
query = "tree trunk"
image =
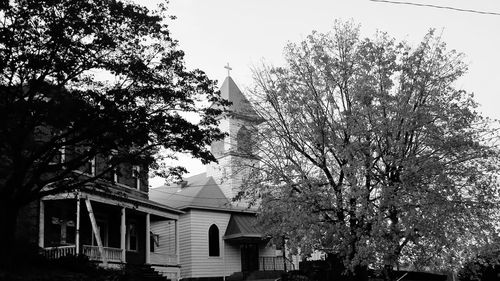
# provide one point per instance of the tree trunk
(360, 273)
(283, 252)
(387, 272)
(8, 223)
(342, 273)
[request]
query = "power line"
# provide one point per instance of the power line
(438, 7)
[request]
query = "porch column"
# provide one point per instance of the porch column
(177, 241)
(41, 225)
(77, 231)
(123, 231)
(223, 260)
(148, 239)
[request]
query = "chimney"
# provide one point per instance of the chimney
(182, 184)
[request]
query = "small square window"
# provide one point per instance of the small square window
(89, 167)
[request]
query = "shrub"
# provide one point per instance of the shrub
(483, 268)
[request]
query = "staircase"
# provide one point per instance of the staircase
(143, 273)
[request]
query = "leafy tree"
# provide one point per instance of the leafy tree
(370, 153)
(483, 267)
(104, 76)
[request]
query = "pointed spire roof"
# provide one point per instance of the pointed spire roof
(240, 105)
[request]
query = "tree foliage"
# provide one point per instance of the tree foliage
(101, 75)
(371, 153)
(485, 266)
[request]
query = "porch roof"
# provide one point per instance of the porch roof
(139, 204)
(243, 227)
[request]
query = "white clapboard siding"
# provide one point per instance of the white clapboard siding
(166, 233)
(201, 264)
(185, 245)
(233, 258)
(193, 243)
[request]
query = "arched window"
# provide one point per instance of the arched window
(244, 141)
(213, 241)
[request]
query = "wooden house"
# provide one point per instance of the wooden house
(109, 220)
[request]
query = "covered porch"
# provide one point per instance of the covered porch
(111, 231)
(256, 255)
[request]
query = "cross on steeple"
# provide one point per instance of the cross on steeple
(228, 69)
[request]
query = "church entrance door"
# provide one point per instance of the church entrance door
(249, 257)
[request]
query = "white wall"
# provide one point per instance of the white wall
(193, 244)
(201, 264)
(193, 236)
(166, 231)
(230, 170)
(185, 244)
(232, 258)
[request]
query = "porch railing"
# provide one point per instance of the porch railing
(112, 254)
(58, 252)
(163, 259)
(274, 263)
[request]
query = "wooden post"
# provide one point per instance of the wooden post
(41, 225)
(148, 239)
(97, 235)
(177, 241)
(283, 252)
(123, 232)
(223, 257)
(77, 231)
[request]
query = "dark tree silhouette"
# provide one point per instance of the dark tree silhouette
(102, 75)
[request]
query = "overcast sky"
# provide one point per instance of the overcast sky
(243, 33)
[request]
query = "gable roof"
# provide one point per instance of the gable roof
(200, 191)
(243, 226)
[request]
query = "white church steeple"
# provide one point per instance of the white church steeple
(234, 153)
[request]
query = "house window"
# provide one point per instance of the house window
(136, 175)
(62, 154)
(112, 175)
(89, 167)
(213, 241)
(132, 237)
(59, 157)
(115, 175)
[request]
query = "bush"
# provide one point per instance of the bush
(74, 268)
(480, 269)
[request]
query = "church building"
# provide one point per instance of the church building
(219, 237)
